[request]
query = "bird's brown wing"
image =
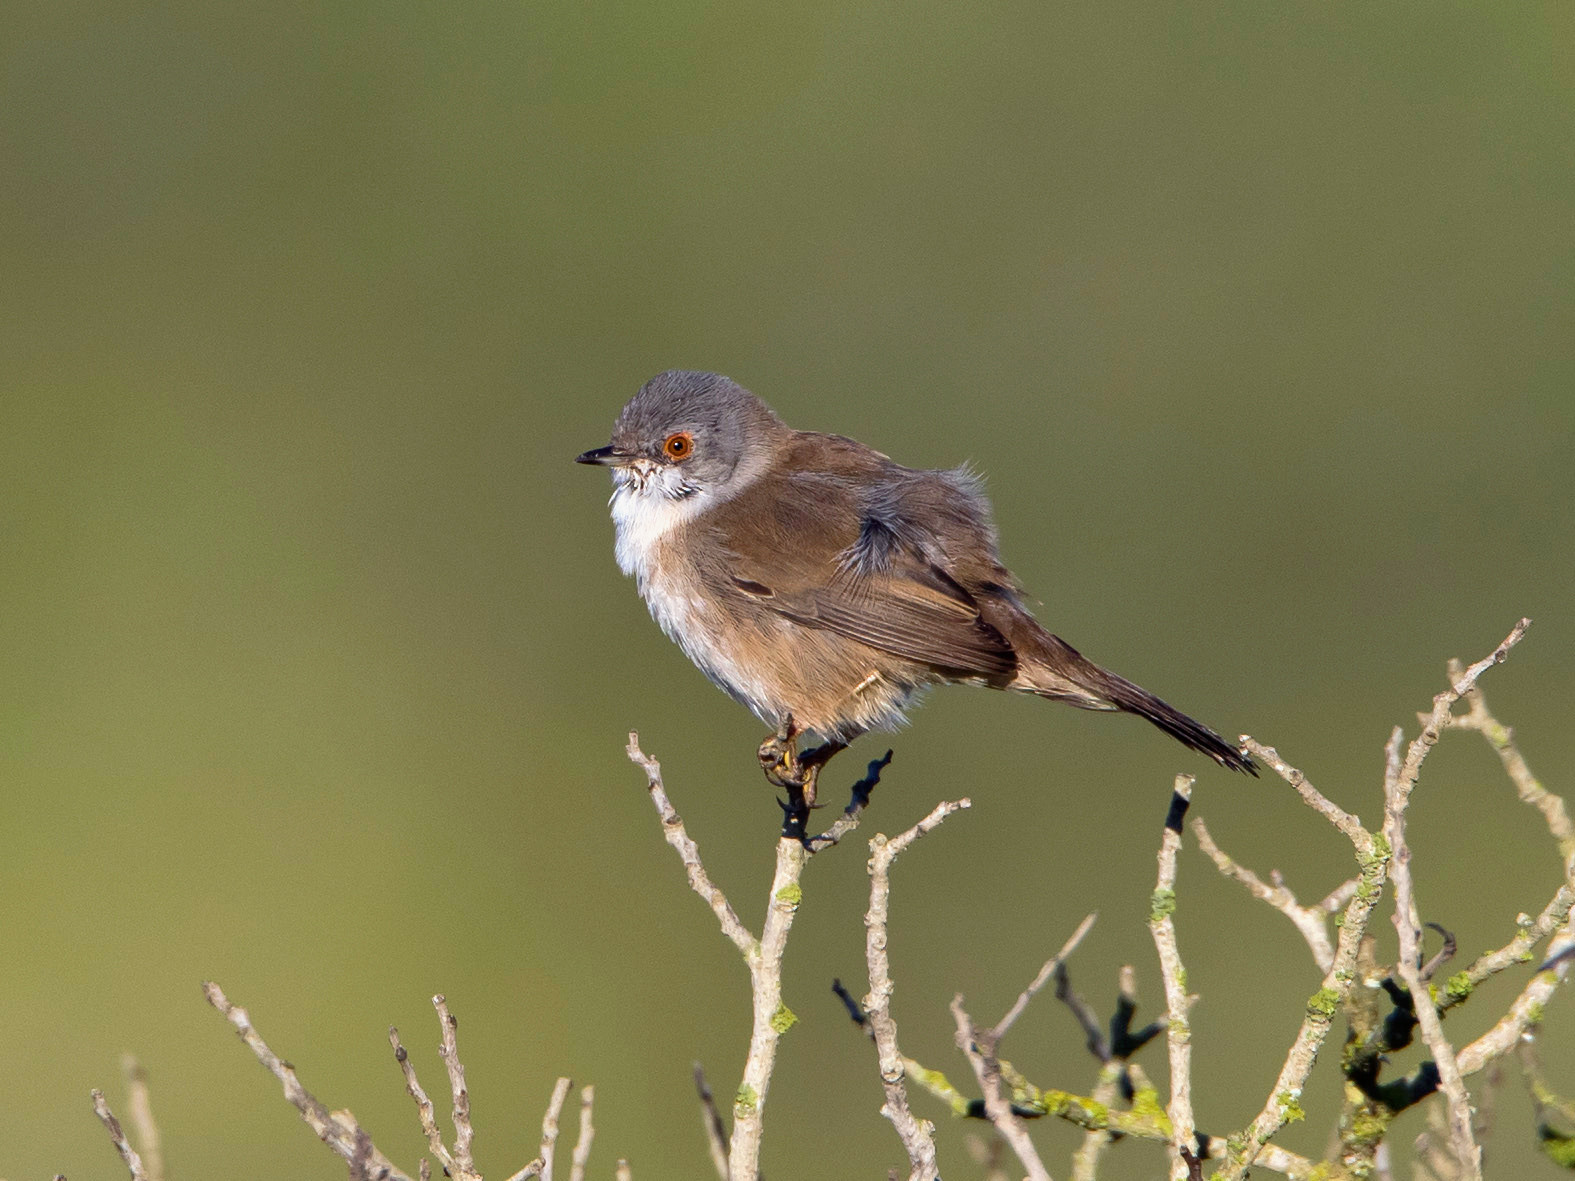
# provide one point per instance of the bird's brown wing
(867, 571)
(900, 615)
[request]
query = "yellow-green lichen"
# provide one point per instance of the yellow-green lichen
(1323, 1003)
(745, 1102)
(1146, 1103)
(1369, 1126)
(791, 894)
(1560, 1149)
(1161, 905)
(1458, 987)
(1290, 1108)
(783, 1019)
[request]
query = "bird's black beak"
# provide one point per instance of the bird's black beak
(608, 456)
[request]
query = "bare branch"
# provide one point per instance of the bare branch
(464, 1133)
(424, 1112)
(139, 1106)
(997, 1106)
(549, 1127)
(117, 1137)
(1555, 915)
(1311, 921)
(338, 1130)
(678, 837)
(1348, 824)
(917, 1135)
(582, 1146)
(711, 1120)
(1502, 739)
(1039, 981)
(1409, 926)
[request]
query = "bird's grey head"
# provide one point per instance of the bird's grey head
(685, 433)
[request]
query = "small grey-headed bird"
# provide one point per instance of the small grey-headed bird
(823, 585)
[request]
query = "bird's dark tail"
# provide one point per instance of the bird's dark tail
(1076, 679)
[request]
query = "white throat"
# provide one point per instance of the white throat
(643, 515)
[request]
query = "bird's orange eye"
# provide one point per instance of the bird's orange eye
(679, 446)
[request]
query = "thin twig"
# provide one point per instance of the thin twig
(1311, 921)
(117, 1136)
(1502, 739)
(1347, 823)
(917, 1135)
(1409, 926)
(711, 1121)
(582, 1146)
(673, 829)
(1555, 915)
(1528, 1006)
(139, 1107)
(1508, 1030)
(860, 798)
(464, 1133)
(549, 1126)
(338, 1130)
(424, 1112)
(997, 1107)
(1051, 965)
(1178, 1035)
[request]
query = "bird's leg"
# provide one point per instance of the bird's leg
(811, 761)
(787, 769)
(779, 757)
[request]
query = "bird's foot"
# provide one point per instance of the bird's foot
(795, 772)
(810, 763)
(778, 756)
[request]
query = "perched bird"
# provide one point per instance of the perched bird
(823, 585)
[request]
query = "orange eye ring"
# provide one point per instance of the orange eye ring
(679, 447)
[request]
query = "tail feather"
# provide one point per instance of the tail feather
(1077, 679)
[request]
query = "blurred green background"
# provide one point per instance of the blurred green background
(316, 670)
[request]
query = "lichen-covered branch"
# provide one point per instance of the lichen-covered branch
(1372, 859)
(1162, 925)
(771, 1018)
